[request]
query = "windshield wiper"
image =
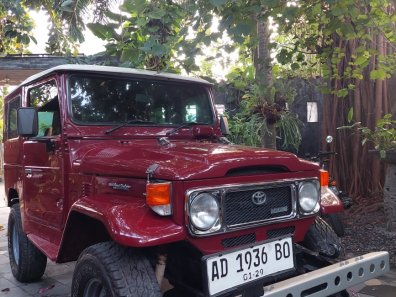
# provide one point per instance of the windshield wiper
(135, 121)
(190, 124)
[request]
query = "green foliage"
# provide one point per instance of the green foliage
(311, 29)
(246, 129)
(250, 122)
(289, 131)
(15, 27)
(383, 136)
(150, 32)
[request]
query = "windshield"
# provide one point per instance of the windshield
(108, 100)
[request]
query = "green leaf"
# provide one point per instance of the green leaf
(218, 3)
(102, 31)
(382, 154)
(275, 70)
(25, 39)
(244, 28)
(158, 50)
(136, 6)
(342, 93)
(113, 16)
(129, 54)
(156, 14)
(67, 6)
(284, 57)
(350, 115)
(347, 30)
(338, 10)
(295, 66)
(361, 60)
(378, 74)
(33, 39)
(270, 3)
(300, 57)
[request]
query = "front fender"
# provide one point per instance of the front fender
(130, 222)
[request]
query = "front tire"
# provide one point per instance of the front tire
(336, 223)
(322, 239)
(110, 270)
(27, 262)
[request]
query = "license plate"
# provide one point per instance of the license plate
(225, 271)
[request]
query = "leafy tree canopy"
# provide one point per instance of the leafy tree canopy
(15, 27)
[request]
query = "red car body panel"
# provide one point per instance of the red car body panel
(130, 222)
(181, 160)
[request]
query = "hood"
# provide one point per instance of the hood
(184, 160)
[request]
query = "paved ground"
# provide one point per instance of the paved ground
(56, 281)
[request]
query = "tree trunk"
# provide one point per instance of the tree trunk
(262, 63)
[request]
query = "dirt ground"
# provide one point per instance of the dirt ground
(366, 231)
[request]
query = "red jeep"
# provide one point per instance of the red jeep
(129, 173)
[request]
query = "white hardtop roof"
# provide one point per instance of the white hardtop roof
(114, 70)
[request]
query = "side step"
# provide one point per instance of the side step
(332, 279)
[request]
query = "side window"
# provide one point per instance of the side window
(45, 99)
(12, 107)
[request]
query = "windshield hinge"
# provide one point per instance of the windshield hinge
(150, 171)
(163, 141)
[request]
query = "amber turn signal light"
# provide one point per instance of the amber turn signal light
(158, 197)
(324, 178)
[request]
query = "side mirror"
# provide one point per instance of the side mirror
(27, 121)
(224, 126)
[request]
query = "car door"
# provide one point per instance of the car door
(43, 181)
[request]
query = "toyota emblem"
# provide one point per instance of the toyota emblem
(259, 198)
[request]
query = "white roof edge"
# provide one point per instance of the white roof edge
(114, 70)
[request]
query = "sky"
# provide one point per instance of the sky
(92, 44)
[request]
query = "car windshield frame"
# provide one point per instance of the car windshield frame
(211, 115)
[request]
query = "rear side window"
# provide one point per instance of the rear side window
(11, 128)
(45, 99)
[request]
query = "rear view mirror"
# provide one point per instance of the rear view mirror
(224, 126)
(27, 121)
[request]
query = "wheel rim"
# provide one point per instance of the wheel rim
(15, 244)
(94, 288)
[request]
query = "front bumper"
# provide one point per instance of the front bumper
(332, 279)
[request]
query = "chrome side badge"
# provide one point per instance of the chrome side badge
(122, 187)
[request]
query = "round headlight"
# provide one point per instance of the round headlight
(204, 211)
(308, 196)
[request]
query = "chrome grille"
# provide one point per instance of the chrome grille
(274, 202)
(240, 209)
(281, 232)
(239, 240)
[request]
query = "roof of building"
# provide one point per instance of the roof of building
(113, 70)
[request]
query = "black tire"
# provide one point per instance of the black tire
(336, 223)
(110, 270)
(27, 262)
(322, 239)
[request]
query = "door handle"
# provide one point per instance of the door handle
(28, 173)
